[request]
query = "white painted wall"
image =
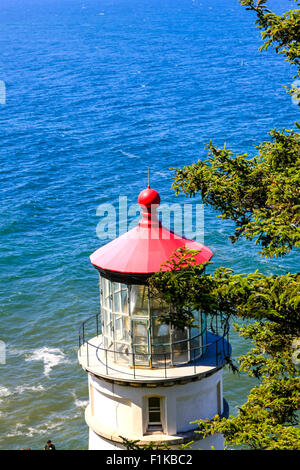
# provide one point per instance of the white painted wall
(98, 443)
(122, 409)
(200, 403)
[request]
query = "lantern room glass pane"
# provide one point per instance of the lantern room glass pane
(160, 332)
(117, 301)
(196, 330)
(106, 293)
(196, 336)
(117, 286)
(140, 332)
(134, 333)
(141, 342)
(180, 335)
(124, 299)
(115, 321)
(121, 329)
(139, 301)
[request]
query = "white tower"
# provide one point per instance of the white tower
(147, 380)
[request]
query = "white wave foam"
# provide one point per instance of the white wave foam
(45, 428)
(27, 388)
(4, 392)
(80, 403)
(21, 429)
(50, 356)
(130, 155)
(17, 431)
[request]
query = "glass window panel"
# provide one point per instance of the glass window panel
(118, 327)
(180, 335)
(110, 300)
(140, 332)
(101, 287)
(121, 328)
(161, 350)
(196, 330)
(154, 414)
(154, 402)
(126, 335)
(107, 316)
(117, 302)
(106, 293)
(139, 300)
(160, 332)
(108, 287)
(180, 355)
(122, 356)
(141, 349)
(203, 317)
(124, 300)
(195, 349)
(117, 286)
(154, 417)
(104, 320)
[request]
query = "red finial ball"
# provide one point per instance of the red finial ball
(148, 196)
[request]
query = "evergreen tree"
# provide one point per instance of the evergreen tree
(261, 196)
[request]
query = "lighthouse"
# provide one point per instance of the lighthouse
(147, 379)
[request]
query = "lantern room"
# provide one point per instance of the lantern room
(134, 333)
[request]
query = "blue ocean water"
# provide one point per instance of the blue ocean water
(96, 92)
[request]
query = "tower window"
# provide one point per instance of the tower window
(154, 414)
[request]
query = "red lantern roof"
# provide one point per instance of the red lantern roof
(147, 246)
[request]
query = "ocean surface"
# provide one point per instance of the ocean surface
(97, 91)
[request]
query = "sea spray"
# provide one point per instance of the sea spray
(51, 357)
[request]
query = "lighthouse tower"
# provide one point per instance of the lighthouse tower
(148, 380)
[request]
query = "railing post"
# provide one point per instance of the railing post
(97, 324)
(165, 365)
(106, 361)
(83, 339)
(172, 346)
(194, 361)
(189, 345)
(133, 360)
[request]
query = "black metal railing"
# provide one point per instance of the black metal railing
(214, 352)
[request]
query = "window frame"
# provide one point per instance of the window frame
(153, 427)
